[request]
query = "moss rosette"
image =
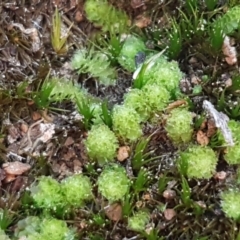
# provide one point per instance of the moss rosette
(200, 162)
(47, 193)
(135, 99)
(138, 221)
(156, 97)
(54, 229)
(113, 183)
(232, 155)
(130, 48)
(101, 144)
(231, 204)
(229, 22)
(165, 74)
(179, 126)
(126, 122)
(76, 189)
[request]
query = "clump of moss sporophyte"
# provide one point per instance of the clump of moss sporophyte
(47, 193)
(101, 144)
(29, 226)
(126, 122)
(35, 228)
(54, 229)
(231, 203)
(132, 45)
(179, 126)
(138, 221)
(163, 73)
(232, 153)
(103, 14)
(113, 183)
(147, 101)
(197, 162)
(76, 189)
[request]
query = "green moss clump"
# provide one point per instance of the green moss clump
(126, 122)
(164, 73)
(130, 48)
(104, 15)
(138, 221)
(101, 144)
(54, 229)
(229, 22)
(156, 97)
(147, 101)
(3, 235)
(135, 99)
(29, 226)
(76, 190)
(179, 126)
(198, 162)
(231, 204)
(96, 64)
(232, 153)
(47, 193)
(113, 183)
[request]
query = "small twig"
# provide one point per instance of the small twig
(29, 132)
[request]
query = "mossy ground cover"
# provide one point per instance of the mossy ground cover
(119, 120)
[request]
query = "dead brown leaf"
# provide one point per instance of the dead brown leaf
(142, 21)
(114, 212)
(15, 168)
(202, 139)
(169, 214)
(123, 153)
(69, 141)
(220, 175)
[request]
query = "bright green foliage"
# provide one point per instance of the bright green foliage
(230, 21)
(225, 25)
(3, 236)
(231, 204)
(232, 155)
(35, 228)
(58, 40)
(165, 74)
(179, 126)
(101, 144)
(47, 193)
(197, 162)
(28, 226)
(156, 97)
(55, 90)
(131, 47)
(54, 229)
(147, 101)
(135, 99)
(138, 221)
(6, 218)
(76, 190)
(96, 64)
(103, 14)
(113, 183)
(126, 122)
